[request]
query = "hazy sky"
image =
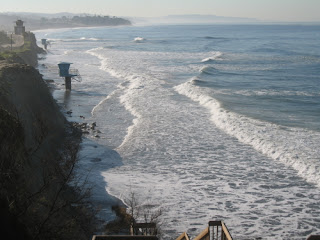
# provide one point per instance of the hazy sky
(277, 10)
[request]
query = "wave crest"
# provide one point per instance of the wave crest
(295, 147)
(208, 70)
(216, 56)
(139, 40)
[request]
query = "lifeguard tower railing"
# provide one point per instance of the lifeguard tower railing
(67, 73)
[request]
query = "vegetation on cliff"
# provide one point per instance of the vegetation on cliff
(41, 196)
(85, 21)
(45, 21)
(36, 201)
(4, 39)
(27, 53)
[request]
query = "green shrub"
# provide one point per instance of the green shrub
(4, 39)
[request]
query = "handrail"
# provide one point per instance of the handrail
(222, 229)
(225, 231)
(204, 235)
(183, 236)
(216, 230)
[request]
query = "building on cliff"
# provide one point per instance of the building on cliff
(19, 29)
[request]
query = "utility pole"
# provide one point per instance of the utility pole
(11, 42)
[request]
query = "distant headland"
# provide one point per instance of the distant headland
(36, 21)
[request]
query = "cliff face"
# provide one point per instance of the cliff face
(30, 50)
(26, 54)
(38, 153)
(26, 96)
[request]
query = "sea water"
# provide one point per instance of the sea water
(205, 122)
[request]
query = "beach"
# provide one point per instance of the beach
(219, 124)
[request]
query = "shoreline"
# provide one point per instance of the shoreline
(47, 144)
(94, 157)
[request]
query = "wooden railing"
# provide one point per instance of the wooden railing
(143, 229)
(204, 235)
(183, 236)
(217, 230)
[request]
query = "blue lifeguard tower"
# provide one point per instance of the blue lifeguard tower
(64, 68)
(44, 43)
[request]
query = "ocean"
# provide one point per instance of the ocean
(205, 122)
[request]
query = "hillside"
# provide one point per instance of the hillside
(45, 21)
(38, 154)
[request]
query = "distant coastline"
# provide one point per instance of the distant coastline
(38, 22)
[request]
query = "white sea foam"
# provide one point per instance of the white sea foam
(90, 39)
(293, 146)
(172, 153)
(216, 56)
(139, 39)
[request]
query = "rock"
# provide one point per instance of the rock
(93, 125)
(95, 160)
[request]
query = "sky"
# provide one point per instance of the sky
(270, 10)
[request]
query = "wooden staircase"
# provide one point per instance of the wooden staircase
(216, 230)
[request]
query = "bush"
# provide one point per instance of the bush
(4, 39)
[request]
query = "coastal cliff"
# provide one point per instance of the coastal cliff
(38, 155)
(25, 54)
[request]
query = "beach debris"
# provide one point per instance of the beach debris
(49, 80)
(95, 160)
(87, 128)
(93, 125)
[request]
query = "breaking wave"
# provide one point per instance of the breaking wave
(216, 56)
(295, 147)
(139, 40)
